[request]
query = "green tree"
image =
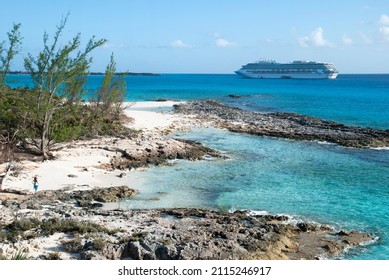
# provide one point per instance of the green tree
(112, 92)
(58, 73)
(11, 111)
(7, 55)
(8, 122)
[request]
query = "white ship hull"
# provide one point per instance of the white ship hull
(247, 74)
(270, 69)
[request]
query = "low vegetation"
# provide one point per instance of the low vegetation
(22, 229)
(81, 236)
(18, 256)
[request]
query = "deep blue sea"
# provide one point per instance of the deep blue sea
(343, 187)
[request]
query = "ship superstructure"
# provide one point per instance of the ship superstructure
(270, 69)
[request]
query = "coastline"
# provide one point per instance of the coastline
(101, 163)
(284, 125)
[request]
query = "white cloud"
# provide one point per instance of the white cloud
(384, 19)
(315, 39)
(304, 41)
(346, 39)
(179, 44)
(221, 42)
(384, 28)
(224, 43)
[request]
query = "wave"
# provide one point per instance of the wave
(381, 148)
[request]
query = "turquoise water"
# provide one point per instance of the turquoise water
(361, 100)
(326, 183)
(347, 188)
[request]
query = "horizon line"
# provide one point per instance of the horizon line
(98, 73)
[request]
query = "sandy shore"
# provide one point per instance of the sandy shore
(152, 116)
(78, 163)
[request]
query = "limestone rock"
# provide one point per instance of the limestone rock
(166, 234)
(284, 125)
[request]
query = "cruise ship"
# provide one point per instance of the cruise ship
(270, 69)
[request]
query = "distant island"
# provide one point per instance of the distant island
(127, 74)
(96, 73)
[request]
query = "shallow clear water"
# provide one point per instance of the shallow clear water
(344, 187)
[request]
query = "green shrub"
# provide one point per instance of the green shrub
(18, 229)
(53, 256)
(138, 236)
(24, 224)
(19, 256)
(16, 256)
(54, 225)
(73, 245)
(99, 244)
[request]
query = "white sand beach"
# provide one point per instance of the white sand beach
(152, 115)
(77, 163)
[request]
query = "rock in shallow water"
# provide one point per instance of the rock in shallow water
(284, 125)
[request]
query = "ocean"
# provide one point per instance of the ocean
(320, 182)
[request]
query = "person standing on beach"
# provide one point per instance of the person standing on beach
(35, 182)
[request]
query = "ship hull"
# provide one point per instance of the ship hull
(270, 69)
(318, 76)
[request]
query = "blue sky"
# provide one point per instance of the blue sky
(212, 36)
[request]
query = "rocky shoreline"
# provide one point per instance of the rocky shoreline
(70, 224)
(284, 125)
(148, 149)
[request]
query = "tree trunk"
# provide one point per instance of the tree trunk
(4, 175)
(43, 146)
(44, 135)
(6, 157)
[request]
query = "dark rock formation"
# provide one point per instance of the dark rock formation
(86, 198)
(159, 155)
(164, 234)
(285, 125)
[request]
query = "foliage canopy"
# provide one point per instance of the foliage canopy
(52, 111)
